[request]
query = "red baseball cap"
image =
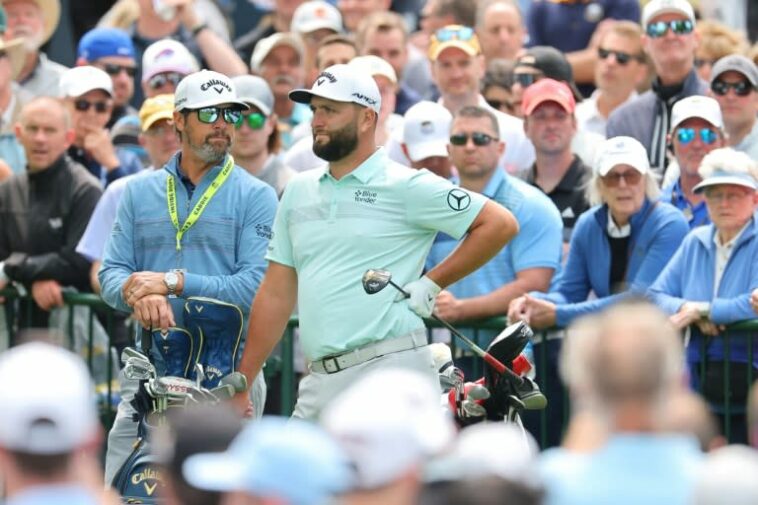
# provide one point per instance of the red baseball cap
(547, 90)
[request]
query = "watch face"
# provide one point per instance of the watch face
(171, 279)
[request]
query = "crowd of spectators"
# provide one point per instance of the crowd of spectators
(622, 136)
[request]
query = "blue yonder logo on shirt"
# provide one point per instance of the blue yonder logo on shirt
(365, 196)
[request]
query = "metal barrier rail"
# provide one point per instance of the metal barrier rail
(71, 301)
(283, 365)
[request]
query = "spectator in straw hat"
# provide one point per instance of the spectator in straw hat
(35, 21)
(12, 98)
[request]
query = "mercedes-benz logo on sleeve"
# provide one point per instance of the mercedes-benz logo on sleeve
(458, 199)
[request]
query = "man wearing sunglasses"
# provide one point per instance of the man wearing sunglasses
(336, 222)
(458, 69)
(112, 51)
(88, 93)
(697, 128)
(734, 85)
(256, 141)
(164, 64)
(198, 227)
(670, 41)
(619, 70)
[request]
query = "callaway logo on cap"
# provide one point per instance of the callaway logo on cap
(205, 89)
(342, 83)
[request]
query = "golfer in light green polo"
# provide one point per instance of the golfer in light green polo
(361, 211)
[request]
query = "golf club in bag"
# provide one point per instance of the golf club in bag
(502, 392)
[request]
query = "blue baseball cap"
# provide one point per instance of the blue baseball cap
(289, 459)
(103, 42)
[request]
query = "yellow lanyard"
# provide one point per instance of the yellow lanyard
(199, 206)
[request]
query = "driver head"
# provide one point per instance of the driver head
(375, 280)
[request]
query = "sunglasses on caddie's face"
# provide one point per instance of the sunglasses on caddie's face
(210, 115)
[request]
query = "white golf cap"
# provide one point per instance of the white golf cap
(265, 46)
(374, 65)
(254, 91)
(205, 89)
(621, 151)
(47, 399)
(426, 130)
(389, 422)
(316, 15)
(703, 107)
(478, 453)
(167, 55)
(727, 166)
(655, 8)
(80, 80)
(342, 83)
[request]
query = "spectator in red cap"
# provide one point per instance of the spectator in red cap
(548, 107)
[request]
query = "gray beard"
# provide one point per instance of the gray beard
(208, 154)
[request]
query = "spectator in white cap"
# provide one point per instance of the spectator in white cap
(212, 223)
(315, 20)
(50, 430)
(706, 285)
(670, 41)
(164, 64)
(35, 22)
(696, 129)
(344, 332)
(426, 133)
(390, 424)
(256, 143)
(88, 95)
(274, 461)
(618, 247)
(734, 85)
(280, 60)
(728, 476)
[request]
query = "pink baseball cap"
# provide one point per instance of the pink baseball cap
(547, 90)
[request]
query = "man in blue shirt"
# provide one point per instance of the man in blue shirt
(196, 228)
(696, 129)
(529, 261)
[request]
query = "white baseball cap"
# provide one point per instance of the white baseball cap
(167, 55)
(621, 151)
(80, 80)
(342, 83)
(265, 46)
(389, 422)
(205, 89)
(478, 453)
(374, 65)
(316, 15)
(655, 8)
(703, 107)
(254, 91)
(47, 398)
(426, 130)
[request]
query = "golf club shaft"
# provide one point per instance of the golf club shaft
(487, 357)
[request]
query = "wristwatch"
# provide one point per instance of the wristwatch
(171, 279)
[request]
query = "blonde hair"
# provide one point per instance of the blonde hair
(718, 40)
(594, 189)
(728, 160)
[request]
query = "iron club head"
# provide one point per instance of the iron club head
(375, 280)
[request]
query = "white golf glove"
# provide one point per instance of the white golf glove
(423, 293)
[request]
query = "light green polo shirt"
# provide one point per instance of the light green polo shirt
(381, 215)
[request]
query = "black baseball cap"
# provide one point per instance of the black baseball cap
(552, 63)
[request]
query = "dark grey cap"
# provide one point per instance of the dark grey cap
(736, 63)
